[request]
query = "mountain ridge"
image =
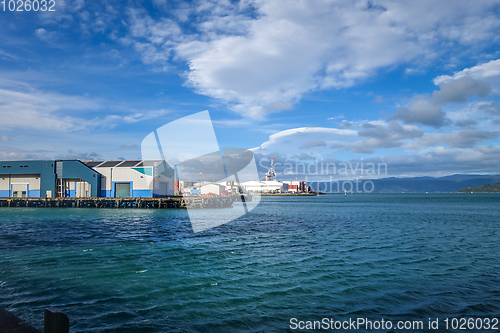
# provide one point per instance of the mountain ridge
(495, 188)
(446, 184)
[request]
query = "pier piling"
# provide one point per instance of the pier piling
(176, 202)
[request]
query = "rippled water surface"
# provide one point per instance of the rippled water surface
(399, 257)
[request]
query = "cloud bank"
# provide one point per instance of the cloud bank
(262, 56)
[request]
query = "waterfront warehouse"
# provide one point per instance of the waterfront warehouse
(74, 178)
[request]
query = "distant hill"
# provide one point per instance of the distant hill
(482, 189)
(447, 184)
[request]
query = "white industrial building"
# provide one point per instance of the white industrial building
(212, 188)
(134, 178)
(268, 186)
(202, 188)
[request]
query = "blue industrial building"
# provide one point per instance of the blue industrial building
(74, 178)
(48, 179)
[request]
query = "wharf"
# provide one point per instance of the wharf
(311, 194)
(178, 202)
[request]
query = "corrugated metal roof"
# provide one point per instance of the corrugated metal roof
(121, 164)
(128, 164)
(109, 164)
(92, 163)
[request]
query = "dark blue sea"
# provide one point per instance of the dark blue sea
(397, 257)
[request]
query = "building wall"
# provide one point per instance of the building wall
(105, 181)
(139, 182)
(83, 189)
(77, 188)
(5, 186)
(26, 172)
(143, 182)
(212, 188)
(163, 186)
(47, 178)
(74, 169)
(28, 183)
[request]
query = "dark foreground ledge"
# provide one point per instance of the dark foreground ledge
(9, 323)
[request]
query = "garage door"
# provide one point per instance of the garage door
(19, 190)
(122, 190)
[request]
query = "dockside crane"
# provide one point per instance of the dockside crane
(271, 175)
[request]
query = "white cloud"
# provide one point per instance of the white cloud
(286, 49)
(128, 146)
(114, 120)
(464, 138)
(293, 49)
(481, 71)
(391, 135)
(439, 161)
(443, 161)
(422, 112)
(8, 56)
(413, 71)
(153, 40)
(466, 123)
(459, 90)
(62, 13)
(481, 113)
(80, 156)
(313, 141)
(29, 108)
(40, 110)
(341, 116)
(489, 72)
(468, 138)
(41, 33)
(17, 154)
(4, 138)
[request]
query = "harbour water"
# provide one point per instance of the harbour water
(392, 256)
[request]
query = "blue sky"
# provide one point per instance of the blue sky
(414, 84)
